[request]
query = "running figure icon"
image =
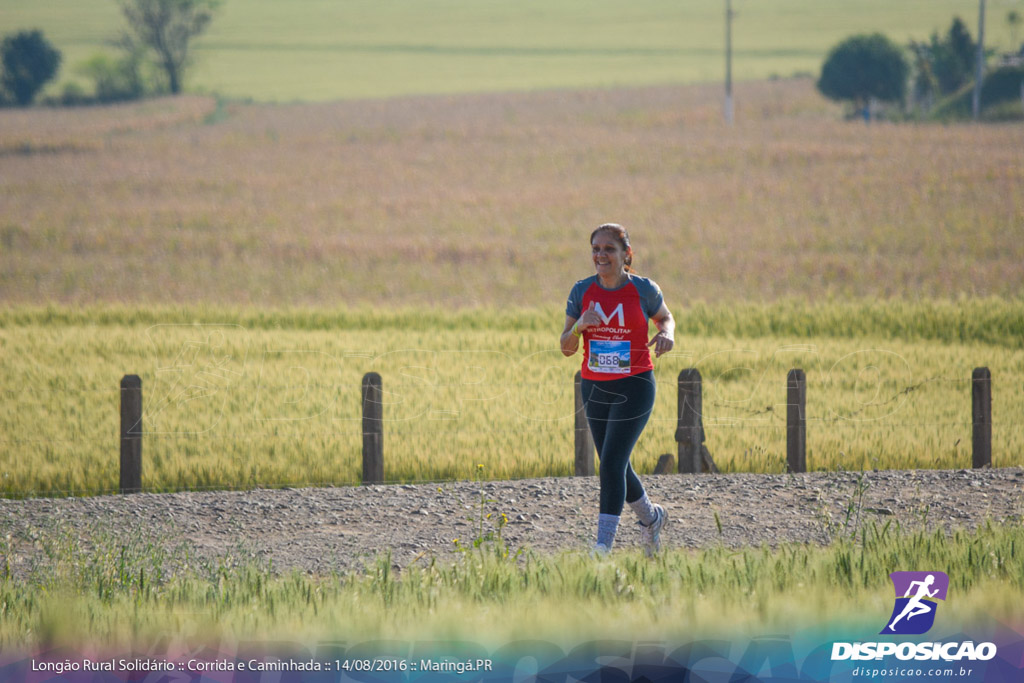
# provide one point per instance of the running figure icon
(917, 598)
(916, 605)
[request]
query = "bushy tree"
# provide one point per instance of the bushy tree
(1000, 97)
(863, 67)
(1013, 20)
(29, 61)
(944, 64)
(167, 27)
(960, 43)
(116, 79)
(1002, 85)
(953, 57)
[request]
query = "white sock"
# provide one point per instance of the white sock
(607, 525)
(644, 509)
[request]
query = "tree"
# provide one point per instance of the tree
(29, 61)
(924, 84)
(953, 57)
(115, 79)
(863, 67)
(1013, 20)
(167, 27)
(961, 44)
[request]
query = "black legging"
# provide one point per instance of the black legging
(617, 411)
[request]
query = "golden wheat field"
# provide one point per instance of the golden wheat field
(274, 399)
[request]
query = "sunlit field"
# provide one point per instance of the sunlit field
(320, 50)
(236, 400)
(252, 262)
(488, 200)
(407, 187)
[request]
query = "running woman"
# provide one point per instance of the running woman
(610, 311)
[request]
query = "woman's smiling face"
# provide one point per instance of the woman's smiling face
(608, 254)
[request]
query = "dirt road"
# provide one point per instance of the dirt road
(319, 530)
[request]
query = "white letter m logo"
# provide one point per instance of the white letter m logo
(608, 318)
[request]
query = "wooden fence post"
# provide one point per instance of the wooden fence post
(796, 421)
(373, 429)
(689, 432)
(131, 434)
(981, 409)
(584, 442)
(666, 462)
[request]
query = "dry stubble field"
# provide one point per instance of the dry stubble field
(486, 200)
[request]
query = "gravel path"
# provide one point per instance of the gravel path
(319, 530)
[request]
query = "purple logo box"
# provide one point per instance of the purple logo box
(902, 580)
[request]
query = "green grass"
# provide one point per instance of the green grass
(131, 592)
(241, 398)
(317, 50)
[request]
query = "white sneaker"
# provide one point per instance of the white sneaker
(650, 535)
(599, 551)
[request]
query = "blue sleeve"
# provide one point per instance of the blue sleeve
(574, 306)
(650, 296)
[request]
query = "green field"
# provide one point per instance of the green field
(318, 50)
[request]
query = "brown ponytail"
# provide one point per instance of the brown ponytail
(619, 233)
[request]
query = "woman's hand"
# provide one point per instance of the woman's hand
(590, 318)
(664, 340)
(662, 343)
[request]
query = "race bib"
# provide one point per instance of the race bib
(609, 356)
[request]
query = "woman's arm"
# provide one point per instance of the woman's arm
(664, 340)
(570, 341)
(574, 329)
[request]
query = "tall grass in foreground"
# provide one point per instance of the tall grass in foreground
(239, 398)
(120, 593)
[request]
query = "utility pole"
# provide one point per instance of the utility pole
(979, 72)
(728, 62)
